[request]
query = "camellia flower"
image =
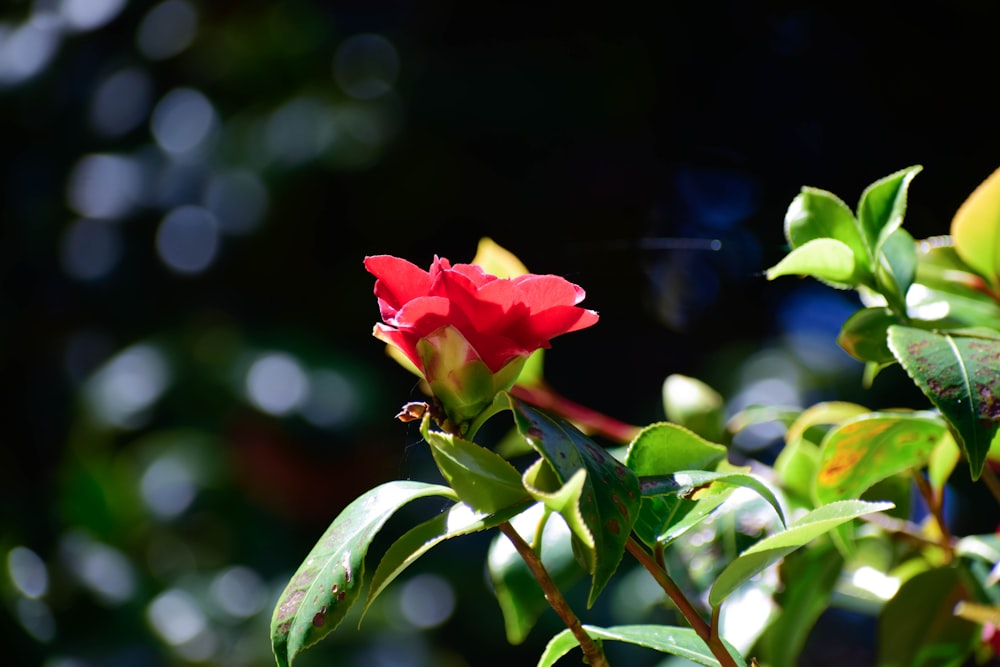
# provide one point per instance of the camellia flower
(466, 331)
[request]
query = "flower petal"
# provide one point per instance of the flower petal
(399, 281)
(543, 292)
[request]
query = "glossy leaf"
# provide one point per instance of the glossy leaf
(961, 377)
(682, 642)
(863, 335)
(896, 268)
(609, 491)
(330, 580)
(818, 214)
(808, 578)
(457, 520)
(773, 548)
(976, 230)
(520, 597)
(694, 405)
(824, 414)
(663, 449)
(882, 208)
(866, 450)
(828, 260)
(483, 480)
(689, 482)
(918, 626)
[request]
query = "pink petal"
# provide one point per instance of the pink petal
(558, 320)
(403, 341)
(398, 281)
(542, 292)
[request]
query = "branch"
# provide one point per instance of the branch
(593, 653)
(700, 626)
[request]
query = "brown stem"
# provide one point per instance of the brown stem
(991, 481)
(590, 421)
(700, 626)
(936, 506)
(593, 653)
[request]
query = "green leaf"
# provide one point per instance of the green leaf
(459, 519)
(773, 548)
(863, 335)
(918, 628)
(329, 581)
(882, 207)
(823, 414)
(609, 491)
(520, 597)
(482, 479)
(976, 230)
(961, 377)
(818, 214)
(682, 642)
(828, 260)
(808, 578)
(858, 454)
(690, 482)
(694, 405)
(897, 266)
(663, 449)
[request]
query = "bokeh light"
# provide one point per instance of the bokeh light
(102, 568)
(183, 121)
(187, 239)
(167, 29)
(27, 572)
(125, 387)
(121, 102)
(104, 186)
(84, 15)
(90, 249)
(366, 66)
(276, 383)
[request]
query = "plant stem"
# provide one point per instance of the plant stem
(592, 651)
(590, 421)
(698, 624)
(935, 505)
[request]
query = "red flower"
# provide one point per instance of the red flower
(447, 317)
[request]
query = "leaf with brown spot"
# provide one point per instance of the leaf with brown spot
(330, 579)
(960, 374)
(861, 452)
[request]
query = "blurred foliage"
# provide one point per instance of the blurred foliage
(188, 402)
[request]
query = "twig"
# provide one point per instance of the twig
(935, 505)
(698, 624)
(592, 651)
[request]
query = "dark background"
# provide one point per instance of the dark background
(583, 140)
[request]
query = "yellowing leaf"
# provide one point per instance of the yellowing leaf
(975, 230)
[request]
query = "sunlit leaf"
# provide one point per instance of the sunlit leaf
(859, 453)
(882, 208)
(482, 479)
(457, 520)
(896, 267)
(976, 229)
(773, 548)
(961, 377)
(824, 414)
(609, 491)
(918, 626)
(689, 482)
(520, 597)
(330, 579)
(826, 259)
(683, 642)
(662, 449)
(863, 335)
(694, 405)
(818, 214)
